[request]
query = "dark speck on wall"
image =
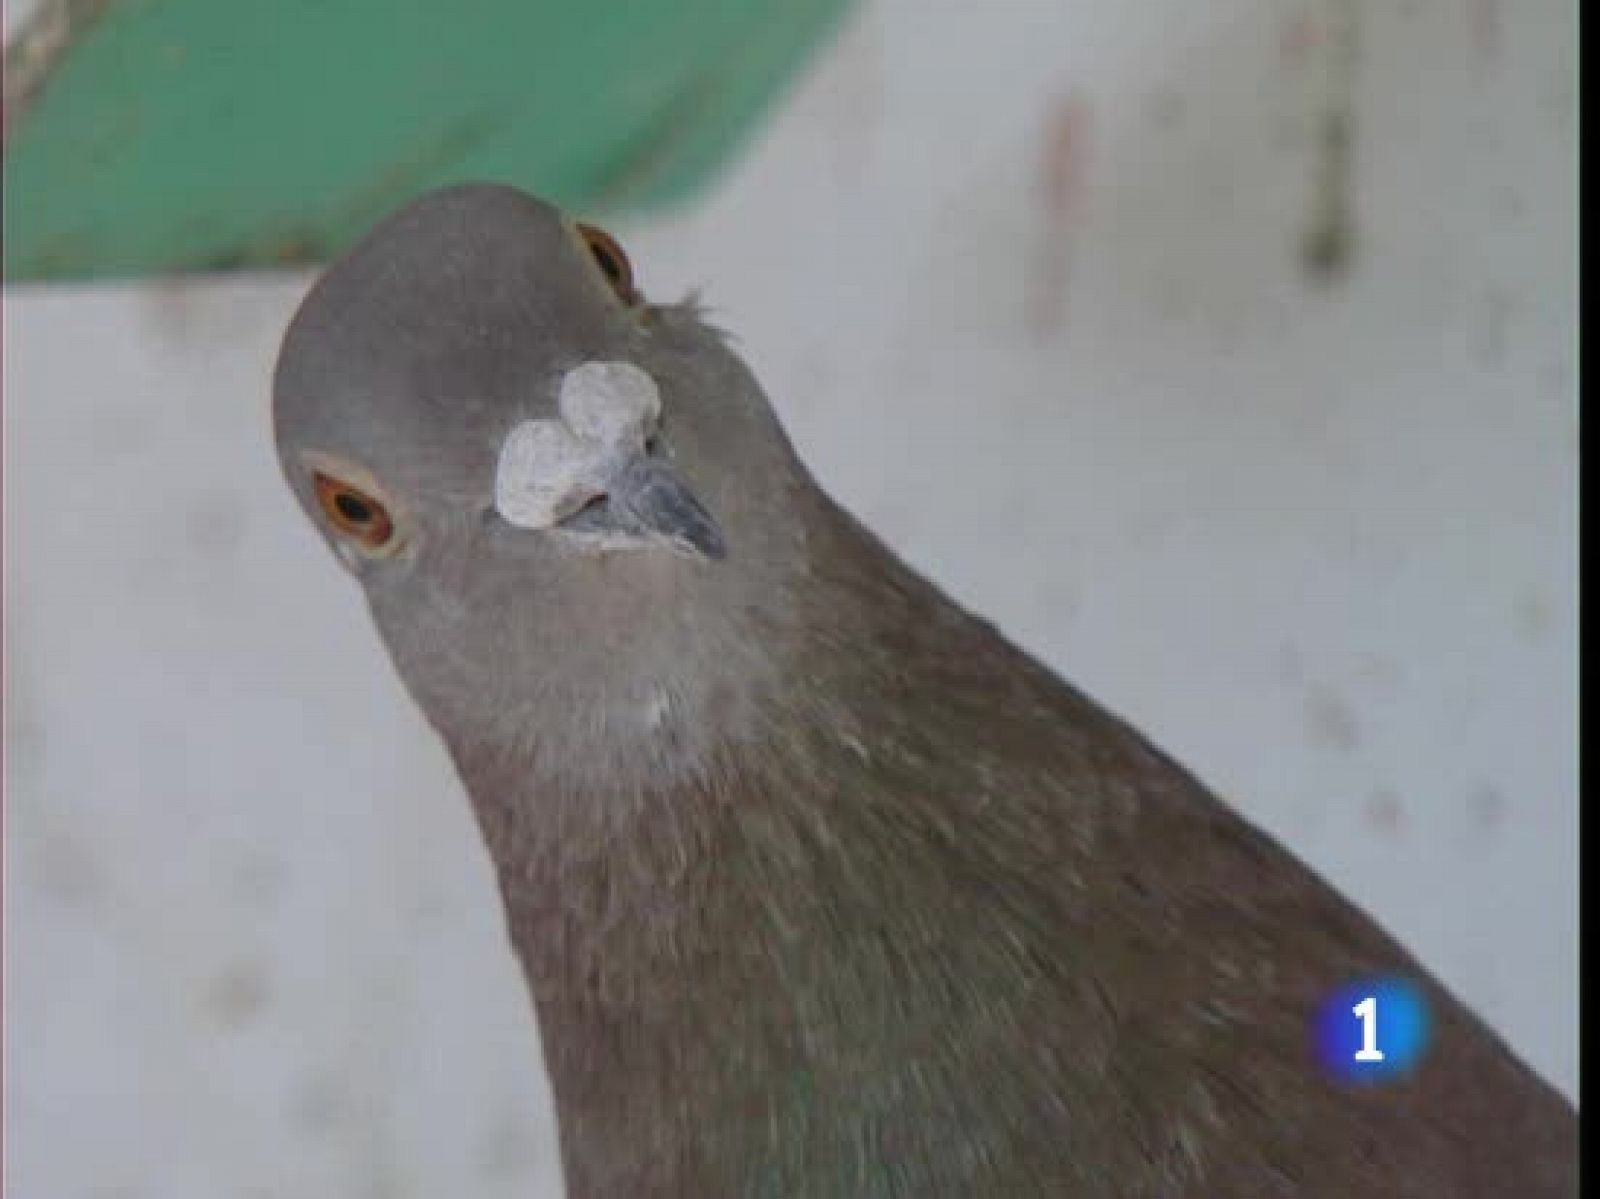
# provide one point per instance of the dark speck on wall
(1327, 245)
(1329, 240)
(1064, 160)
(1488, 33)
(1329, 721)
(1385, 811)
(1486, 806)
(237, 995)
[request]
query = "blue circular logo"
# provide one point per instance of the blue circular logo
(1372, 1031)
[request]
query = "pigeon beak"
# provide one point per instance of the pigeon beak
(648, 497)
(643, 501)
(547, 478)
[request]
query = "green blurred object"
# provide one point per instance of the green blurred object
(149, 136)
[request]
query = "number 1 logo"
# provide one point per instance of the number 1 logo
(1371, 1030)
(1367, 1012)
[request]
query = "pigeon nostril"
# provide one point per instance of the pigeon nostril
(592, 515)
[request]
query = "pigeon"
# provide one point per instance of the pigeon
(820, 886)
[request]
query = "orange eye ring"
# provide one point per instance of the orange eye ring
(354, 513)
(613, 262)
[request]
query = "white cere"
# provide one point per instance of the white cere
(612, 403)
(548, 469)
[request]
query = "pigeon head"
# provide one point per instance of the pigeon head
(547, 486)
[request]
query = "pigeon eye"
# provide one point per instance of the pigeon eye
(613, 263)
(354, 513)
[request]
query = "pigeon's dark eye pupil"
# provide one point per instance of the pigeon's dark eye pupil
(353, 508)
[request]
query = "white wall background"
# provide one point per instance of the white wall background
(1026, 281)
